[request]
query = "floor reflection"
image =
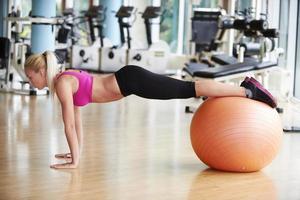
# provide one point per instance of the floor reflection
(212, 184)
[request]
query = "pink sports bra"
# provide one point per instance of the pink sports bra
(83, 95)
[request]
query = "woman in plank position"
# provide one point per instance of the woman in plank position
(75, 88)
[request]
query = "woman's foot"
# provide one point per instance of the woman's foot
(257, 92)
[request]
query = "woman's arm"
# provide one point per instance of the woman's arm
(65, 96)
(79, 132)
(78, 126)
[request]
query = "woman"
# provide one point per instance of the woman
(76, 88)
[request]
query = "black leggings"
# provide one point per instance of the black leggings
(141, 82)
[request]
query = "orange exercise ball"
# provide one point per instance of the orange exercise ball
(236, 134)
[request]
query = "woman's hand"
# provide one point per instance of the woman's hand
(66, 156)
(68, 165)
(63, 155)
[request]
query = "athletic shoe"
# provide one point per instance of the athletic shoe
(259, 93)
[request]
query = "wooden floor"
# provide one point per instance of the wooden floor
(134, 149)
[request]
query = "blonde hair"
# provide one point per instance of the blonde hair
(48, 61)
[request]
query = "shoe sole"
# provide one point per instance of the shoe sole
(261, 88)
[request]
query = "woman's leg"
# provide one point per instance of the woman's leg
(210, 88)
(136, 80)
(250, 88)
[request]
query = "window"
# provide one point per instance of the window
(169, 27)
(297, 66)
(283, 31)
(59, 7)
(243, 4)
(289, 40)
(25, 8)
(208, 4)
(81, 5)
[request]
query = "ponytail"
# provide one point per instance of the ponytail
(52, 70)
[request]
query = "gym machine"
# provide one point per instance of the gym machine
(254, 42)
(155, 57)
(88, 57)
(250, 49)
(114, 57)
(16, 80)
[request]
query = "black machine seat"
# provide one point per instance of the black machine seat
(224, 59)
(4, 57)
(207, 20)
(191, 68)
(264, 65)
(4, 52)
(221, 70)
(125, 12)
(5, 47)
(151, 12)
(202, 70)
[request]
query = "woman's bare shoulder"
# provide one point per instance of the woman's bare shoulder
(66, 81)
(63, 80)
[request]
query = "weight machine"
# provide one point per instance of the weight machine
(155, 57)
